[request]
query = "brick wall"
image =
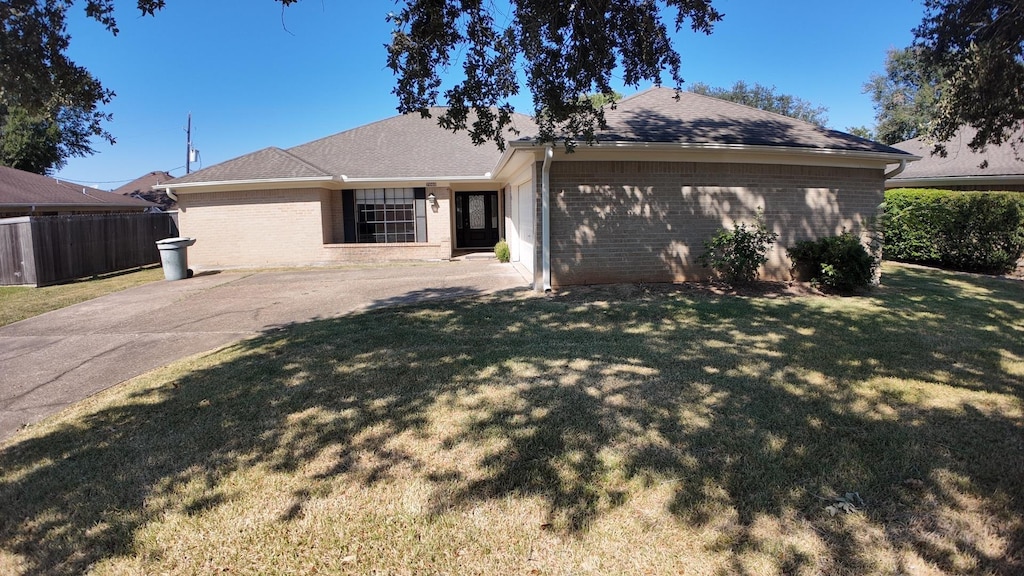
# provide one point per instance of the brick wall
(647, 221)
(252, 228)
(296, 227)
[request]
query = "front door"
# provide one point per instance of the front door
(476, 219)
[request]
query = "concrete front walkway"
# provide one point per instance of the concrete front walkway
(54, 360)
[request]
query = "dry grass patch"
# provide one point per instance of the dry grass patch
(21, 302)
(594, 432)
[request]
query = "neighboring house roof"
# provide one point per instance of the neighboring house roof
(663, 116)
(20, 190)
(142, 187)
(961, 165)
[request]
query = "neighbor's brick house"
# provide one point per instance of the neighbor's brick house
(636, 206)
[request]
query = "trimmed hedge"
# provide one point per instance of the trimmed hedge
(973, 231)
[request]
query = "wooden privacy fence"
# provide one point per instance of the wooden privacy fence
(43, 250)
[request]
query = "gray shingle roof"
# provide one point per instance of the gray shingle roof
(405, 146)
(960, 160)
(19, 189)
(400, 146)
(409, 146)
(656, 115)
(269, 163)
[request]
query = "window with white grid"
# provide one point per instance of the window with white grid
(390, 215)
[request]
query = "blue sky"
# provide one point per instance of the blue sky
(254, 77)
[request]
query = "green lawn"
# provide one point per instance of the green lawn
(21, 302)
(642, 430)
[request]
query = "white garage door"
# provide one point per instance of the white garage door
(524, 228)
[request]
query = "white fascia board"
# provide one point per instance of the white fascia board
(414, 182)
(514, 160)
(329, 182)
(727, 153)
(257, 183)
(954, 181)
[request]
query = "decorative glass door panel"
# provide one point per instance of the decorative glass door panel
(476, 219)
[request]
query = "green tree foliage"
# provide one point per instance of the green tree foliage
(766, 98)
(862, 131)
(42, 143)
(600, 100)
(29, 142)
(49, 106)
(568, 50)
(976, 47)
(905, 97)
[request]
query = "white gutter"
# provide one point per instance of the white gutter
(545, 217)
(350, 180)
(751, 148)
(250, 182)
(927, 181)
(897, 170)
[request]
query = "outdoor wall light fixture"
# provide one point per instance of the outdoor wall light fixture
(432, 198)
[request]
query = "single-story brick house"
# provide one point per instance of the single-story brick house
(995, 168)
(637, 206)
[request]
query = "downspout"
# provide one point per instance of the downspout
(896, 171)
(170, 194)
(545, 218)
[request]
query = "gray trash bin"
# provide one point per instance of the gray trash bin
(174, 257)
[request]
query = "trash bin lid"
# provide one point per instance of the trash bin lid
(175, 243)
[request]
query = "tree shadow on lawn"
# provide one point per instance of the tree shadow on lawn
(754, 410)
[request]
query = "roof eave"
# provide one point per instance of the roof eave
(929, 181)
(332, 182)
(486, 177)
(303, 182)
(750, 148)
(726, 153)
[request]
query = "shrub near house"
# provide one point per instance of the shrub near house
(839, 263)
(974, 231)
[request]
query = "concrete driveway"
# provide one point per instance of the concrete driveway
(54, 360)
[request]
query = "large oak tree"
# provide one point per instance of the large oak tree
(566, 50)
(976, 48)
(904, 97)
(561, 50)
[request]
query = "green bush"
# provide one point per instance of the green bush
(840, 262)
(501, 251)
(978, 231)
(736, 255)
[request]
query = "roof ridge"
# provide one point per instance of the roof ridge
(340, 132)
(381, 121)
(302, 161)
(253, 153)
(640, 93)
